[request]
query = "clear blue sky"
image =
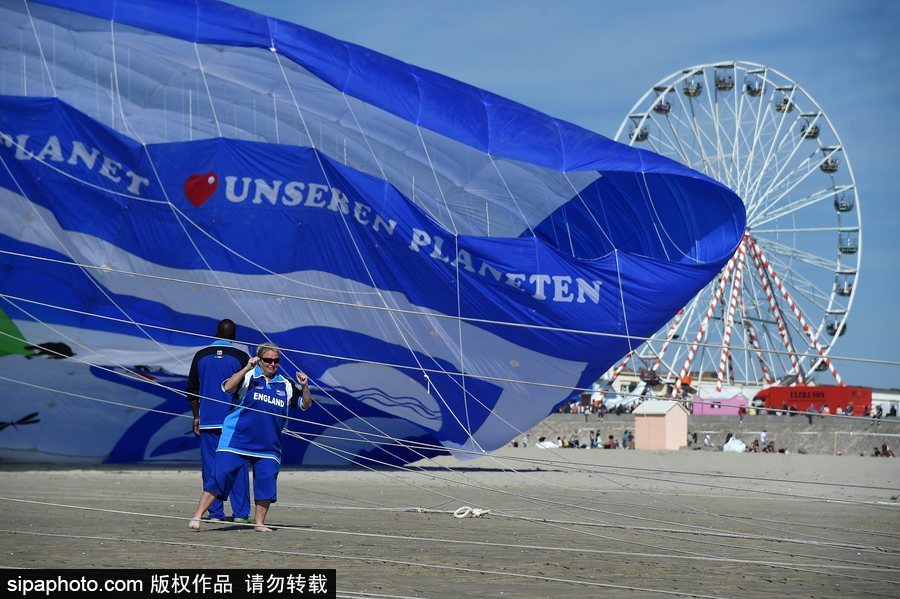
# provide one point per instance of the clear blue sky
(589, 61)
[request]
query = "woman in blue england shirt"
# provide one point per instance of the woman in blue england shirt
(251, 433)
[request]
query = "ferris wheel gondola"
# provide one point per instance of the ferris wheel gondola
(778, 307)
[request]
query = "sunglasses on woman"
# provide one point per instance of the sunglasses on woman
(270, 360)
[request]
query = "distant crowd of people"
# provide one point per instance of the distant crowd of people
(595, 441)
(763, 444)
(598, 408)
(883, 452)
(824, 410)
(756, 447)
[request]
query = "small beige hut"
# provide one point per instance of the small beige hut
(660, 424)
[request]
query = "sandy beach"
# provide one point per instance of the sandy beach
(559, 524)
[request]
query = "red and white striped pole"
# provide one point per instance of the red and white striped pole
(751, 334)
(662, 352)
(729, 319)
(616, 373)
(776, 312)
(669, 334)
(702, 331)
(806, 328)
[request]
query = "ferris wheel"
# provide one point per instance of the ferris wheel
(777, 308)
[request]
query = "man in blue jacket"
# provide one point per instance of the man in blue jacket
(252, 432)
(210, 404)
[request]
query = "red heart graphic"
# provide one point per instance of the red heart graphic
(199, 188)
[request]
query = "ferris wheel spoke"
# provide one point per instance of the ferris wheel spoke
(784, 362)
(802, 175)
(723, 142)
(705, 364)
(768, 318)
(797, 290)
(746, 363)
(778, 139)
(771, 342)
(777, 177)
(799, 204)
(801, 337)
(747, 168)
(688, 324)
(784, 185)
(760, 345)
(708, 162)
(807, 290)
(733, 137)
(774, 248)
(647, 351)
(676, 149)
(799, 342)
(670, 334)
(713, 115)
(734, 154)
(672, 120)
(691, 316)
(748, 333)
(725, 148)
(695, 130)
(743, 151)
(812, 336)
(777, 355)
(827, 153)
(764, 177)
(712, 166)
(660, 138)
(734, 140)
(835, 229)
(797, 281)
(764, 124)
(772, 289)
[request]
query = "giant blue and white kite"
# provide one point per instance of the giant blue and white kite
(446, 264)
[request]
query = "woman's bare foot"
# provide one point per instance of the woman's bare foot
(261, 528)
(194, 524)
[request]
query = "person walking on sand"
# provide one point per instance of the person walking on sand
(209, 405)
(251, 433)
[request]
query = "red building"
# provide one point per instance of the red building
(800, 398)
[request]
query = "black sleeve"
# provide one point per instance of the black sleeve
(193, 382)
(294, 402)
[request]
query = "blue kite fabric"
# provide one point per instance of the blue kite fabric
(445, 264)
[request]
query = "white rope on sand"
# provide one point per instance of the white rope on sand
(470, 512)
(552, 524)
(382, 560)
(808, 568)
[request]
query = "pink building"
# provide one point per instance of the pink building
(660, 424)
(724, 404)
